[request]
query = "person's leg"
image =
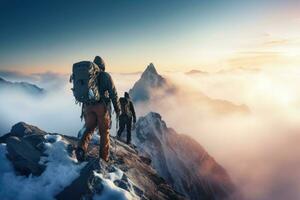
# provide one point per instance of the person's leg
(103, 120)
(122, 122)
(128, 126)
(90, 125)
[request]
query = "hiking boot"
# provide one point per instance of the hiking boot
(80, 154)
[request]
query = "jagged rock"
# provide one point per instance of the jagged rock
(84, 185)
(149, 80)
(176, 163)
(26, 153)
(24, 156)
(22, 129)
(181, 161)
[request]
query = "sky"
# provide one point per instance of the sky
(42, 36)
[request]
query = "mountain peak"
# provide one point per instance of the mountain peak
(149, 80)
(195, 71)
(170, 153)
(150, 70)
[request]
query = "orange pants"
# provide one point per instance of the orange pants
(96, 115)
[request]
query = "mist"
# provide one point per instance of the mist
(259, 149)
(56, 110)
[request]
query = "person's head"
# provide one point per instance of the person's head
(100, 62)
(126, 95)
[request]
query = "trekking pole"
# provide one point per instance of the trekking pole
(117, 127)
(117, 124)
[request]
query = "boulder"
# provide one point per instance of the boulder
(24, 156)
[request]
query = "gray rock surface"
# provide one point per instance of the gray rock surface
(181, 161)
(25, 149)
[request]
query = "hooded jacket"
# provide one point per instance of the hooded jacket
(108, 91)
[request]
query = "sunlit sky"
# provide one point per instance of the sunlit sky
(210, 35)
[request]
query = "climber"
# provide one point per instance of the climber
(127, 116)
(97, 114)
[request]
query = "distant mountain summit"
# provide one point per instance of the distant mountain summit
(154, 87)
(181, 161)
(149, 81)
(23, 87)
(196, 72)
(150, 73)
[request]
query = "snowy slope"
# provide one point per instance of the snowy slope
(61, 170)
(181, 160)
(35, 165)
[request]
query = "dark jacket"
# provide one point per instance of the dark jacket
(108, 91)
(127, 108)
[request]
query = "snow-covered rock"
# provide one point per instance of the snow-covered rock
(60, 176)
(181, 161)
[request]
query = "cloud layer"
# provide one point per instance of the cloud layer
(259, 150)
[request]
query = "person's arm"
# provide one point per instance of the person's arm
(132, 111)
(113, 95)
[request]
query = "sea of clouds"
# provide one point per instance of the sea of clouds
(259, 149)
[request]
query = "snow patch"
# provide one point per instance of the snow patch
(61, 170)
(110, 190)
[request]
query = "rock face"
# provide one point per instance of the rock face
(161, 164)
(149, 81)
(181, 161)
(24, 87)
(28, 150)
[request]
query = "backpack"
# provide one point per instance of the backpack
(125, 106)
(85, 82)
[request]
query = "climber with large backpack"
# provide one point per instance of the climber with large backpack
(94, 89)
(127, 117)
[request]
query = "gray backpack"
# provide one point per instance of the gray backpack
(125, 106)
(85, 82)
